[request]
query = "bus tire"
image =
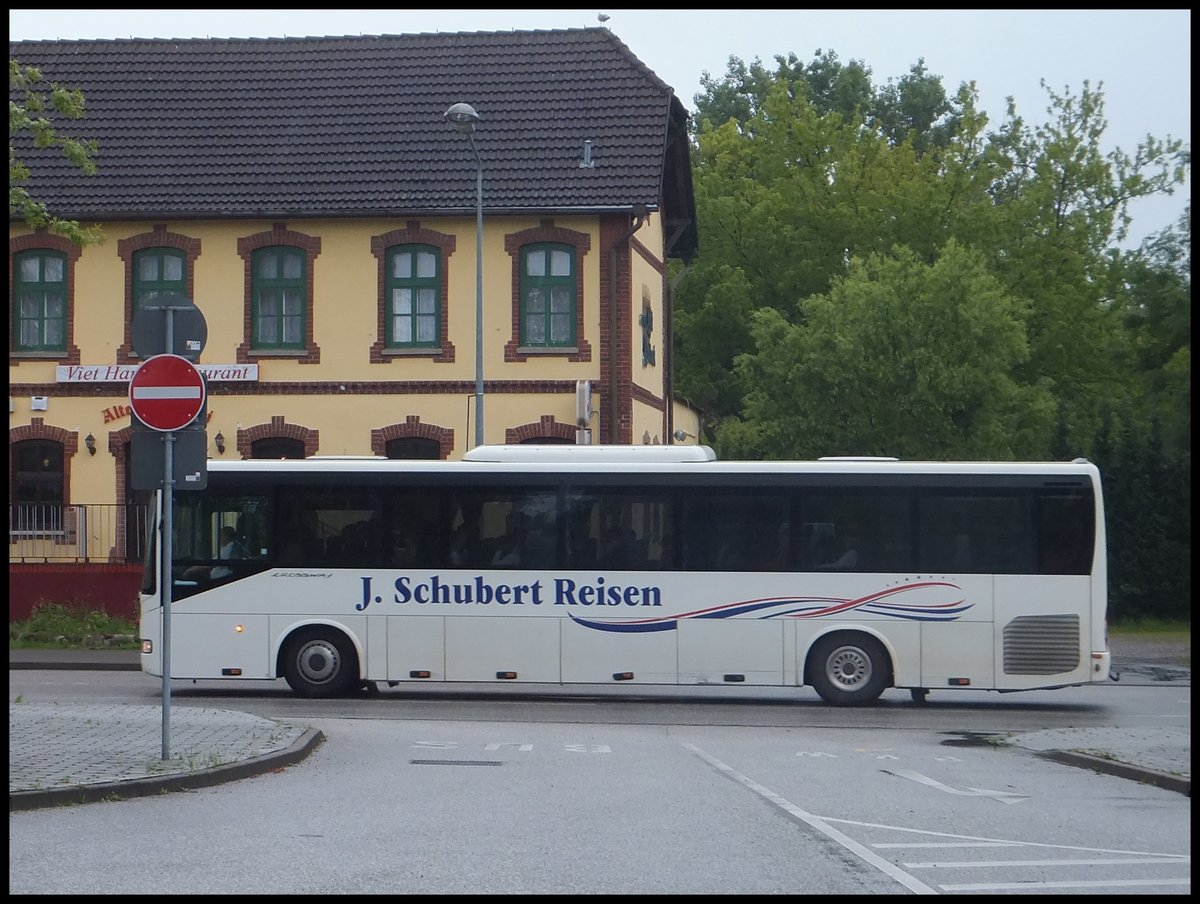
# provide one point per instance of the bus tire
(848, 669)
(320, 662)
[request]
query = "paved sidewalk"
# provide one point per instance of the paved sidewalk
(70, 754)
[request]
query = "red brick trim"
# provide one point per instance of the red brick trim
(278, 428)
(41, 240)
(641, 394)
(412, 427)
(37, 429)
(118, 448)
(413, 234)
(546, 427)
(548, 232)
(157, 238)
(279, 234)
(616, 333)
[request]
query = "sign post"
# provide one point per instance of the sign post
(168, 324)
(166, 393)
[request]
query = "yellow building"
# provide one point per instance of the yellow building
(315, 201)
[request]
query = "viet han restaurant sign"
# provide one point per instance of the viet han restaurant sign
(123, 373)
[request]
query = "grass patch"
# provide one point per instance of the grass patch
(58, 626)
(1151, 629)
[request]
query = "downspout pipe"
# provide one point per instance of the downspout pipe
(640, 212)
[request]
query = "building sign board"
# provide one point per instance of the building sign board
(123, 373)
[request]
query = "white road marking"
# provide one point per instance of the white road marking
(1004, 797)
(1108, 861)
(1112, 883)
(816, 822)
(948, 844)
(955, 840)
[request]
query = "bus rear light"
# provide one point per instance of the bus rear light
(508, 675)
(238, 629)
(147, 645)
(419, 673)
(958, 682)
(622, 676)
(230, 673)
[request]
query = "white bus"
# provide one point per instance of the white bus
(637, 565)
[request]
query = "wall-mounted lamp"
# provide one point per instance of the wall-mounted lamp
(681, 435)
(219, 439)
(90, 442)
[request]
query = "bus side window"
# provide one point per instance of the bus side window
(816, 544)
(466, 535)
(960, 553)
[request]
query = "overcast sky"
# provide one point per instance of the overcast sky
(1142, 57)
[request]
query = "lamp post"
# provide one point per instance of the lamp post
(463, 117)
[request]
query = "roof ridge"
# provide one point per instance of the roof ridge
(280, 38)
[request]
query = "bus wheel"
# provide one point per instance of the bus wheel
(320, 662)
(848, 669)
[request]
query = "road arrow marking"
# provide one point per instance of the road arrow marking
(1003, 796)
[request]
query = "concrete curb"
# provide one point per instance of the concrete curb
(162, 784)
(1178, 783)
(112, 666)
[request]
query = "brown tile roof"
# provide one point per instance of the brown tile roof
(353, 126)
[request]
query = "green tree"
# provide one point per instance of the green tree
(914, 106)
(32, 117)
(1148, 502)
(900, 358)
(796, 185)
(1155, 307)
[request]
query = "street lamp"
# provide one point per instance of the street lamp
(463, 117)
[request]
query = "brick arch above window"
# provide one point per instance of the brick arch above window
(158, 237)
(38, 429)
(412, 428)
(279, 235)
(41, 240)
(413, 234)
(278, 428)
(547, 428)
(546, 231)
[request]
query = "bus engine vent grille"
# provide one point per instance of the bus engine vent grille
(1041, 645)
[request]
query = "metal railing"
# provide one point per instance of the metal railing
(42, 532)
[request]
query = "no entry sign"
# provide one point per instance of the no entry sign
(166, 392)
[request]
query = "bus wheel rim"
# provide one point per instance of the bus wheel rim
(849, 668)
(318, 661)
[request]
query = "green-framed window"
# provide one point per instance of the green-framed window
(548, 295)
(158, 270)
(414, 290)
(40, 301)
(280, 293)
